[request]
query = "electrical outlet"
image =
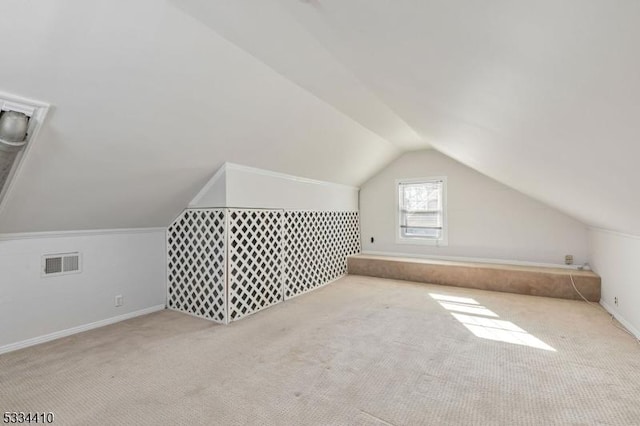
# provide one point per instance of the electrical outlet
(615, 300)
(568, 259)
(119, 300)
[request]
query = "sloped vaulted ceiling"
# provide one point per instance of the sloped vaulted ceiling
(147, 104)
(541, 95)
(152, 96)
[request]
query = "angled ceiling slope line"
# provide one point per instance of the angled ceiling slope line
(270, 33)
(531, 94)
(175, 123)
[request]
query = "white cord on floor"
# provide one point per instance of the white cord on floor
(573, 283)
(613, 318)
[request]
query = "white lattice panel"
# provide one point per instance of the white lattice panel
(196, 264)
(316, 248)
(224, 264)
(255, 261)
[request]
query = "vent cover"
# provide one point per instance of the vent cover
(60, 264)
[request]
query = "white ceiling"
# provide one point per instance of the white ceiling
(266, 30)
(541, 95)
(152, 96)
(148, 103)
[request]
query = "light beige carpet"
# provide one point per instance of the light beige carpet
(361, 351)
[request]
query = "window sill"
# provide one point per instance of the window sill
(422, 242)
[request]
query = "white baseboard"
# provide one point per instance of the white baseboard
(79, 329)
(620, 319)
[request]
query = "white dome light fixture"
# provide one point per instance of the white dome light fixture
(13, 126)
(20, 120)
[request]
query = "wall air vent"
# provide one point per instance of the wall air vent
(60, 264)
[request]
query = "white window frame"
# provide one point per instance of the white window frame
(444, 240)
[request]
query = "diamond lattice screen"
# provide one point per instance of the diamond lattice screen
(317, 244)
(255, 261)
(224, 264)
(196, 264)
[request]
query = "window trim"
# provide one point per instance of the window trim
(442, 242)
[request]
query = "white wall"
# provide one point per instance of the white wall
(616, 258)
(247, 187)
(486, 218)
(214, 193)
(131, 263)
(531, 93)
(180, 101)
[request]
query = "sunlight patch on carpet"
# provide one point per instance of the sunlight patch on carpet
(482, 322)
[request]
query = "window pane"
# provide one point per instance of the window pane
(424, 219)
(422, 233)
(421, 210)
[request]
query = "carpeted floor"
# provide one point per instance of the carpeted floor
(361, 351)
